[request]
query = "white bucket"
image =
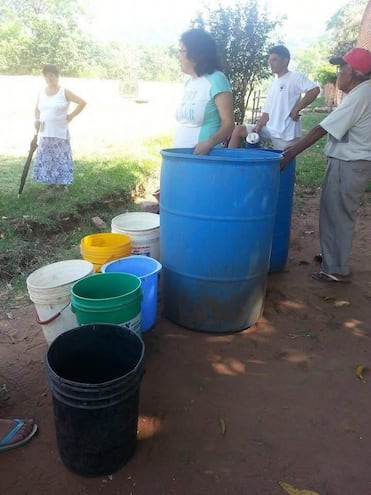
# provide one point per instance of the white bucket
(143, 229)
(49, 289)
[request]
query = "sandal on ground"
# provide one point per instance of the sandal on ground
(328, 277)
(4, 442)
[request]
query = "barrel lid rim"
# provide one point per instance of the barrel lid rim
(130, 215)
(131, 258)
(132, 292)
(55, 284)
(137, 367)
(259, 155)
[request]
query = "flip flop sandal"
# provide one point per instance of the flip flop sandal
(3, 442)
(327, 277)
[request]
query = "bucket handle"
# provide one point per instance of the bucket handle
(52, 318)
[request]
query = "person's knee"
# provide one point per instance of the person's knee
(240, 131)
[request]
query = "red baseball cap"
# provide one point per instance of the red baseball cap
(358, 58)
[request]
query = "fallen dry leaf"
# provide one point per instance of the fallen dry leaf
(223, 426)
(337, 303)
(294, 491)
(329, 298)
(340, 304)
(4, 392)
(359, 371)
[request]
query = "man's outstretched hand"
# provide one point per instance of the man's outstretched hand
(287, 155)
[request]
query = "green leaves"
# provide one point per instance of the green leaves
(243, 33)
(35, 33)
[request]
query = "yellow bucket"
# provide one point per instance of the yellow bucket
(104, 247)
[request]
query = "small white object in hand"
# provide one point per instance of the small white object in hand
(252, 138)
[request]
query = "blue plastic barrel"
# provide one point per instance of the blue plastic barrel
(217, 219)
(147, 269)
(282, 224)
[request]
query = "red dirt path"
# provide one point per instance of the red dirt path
(285, 389)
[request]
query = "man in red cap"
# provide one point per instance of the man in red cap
(348, 171)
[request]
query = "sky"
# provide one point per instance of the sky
(163, 21)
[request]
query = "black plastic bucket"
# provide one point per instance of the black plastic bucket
(94, 374)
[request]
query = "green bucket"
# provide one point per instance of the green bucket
(108, 298)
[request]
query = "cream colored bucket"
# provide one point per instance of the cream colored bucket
(49, 289)
(143, 229)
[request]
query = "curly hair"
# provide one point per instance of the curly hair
(201, 49)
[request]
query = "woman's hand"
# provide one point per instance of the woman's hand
(202, 148)
(80, 104)
(224, 104)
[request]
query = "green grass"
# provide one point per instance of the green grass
(319, 102)
(310, 164)
(45, 224)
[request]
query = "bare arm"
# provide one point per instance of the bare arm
(224, 104)
(307, 99)
(313, 136)
(37, 116)
(261, 122)
(80, 104)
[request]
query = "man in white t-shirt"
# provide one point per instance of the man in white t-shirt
(280, 120)
(348, 170)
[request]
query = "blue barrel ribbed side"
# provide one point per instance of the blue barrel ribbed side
(282, 225)
(217, 219)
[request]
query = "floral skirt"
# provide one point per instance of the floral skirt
(53, 161)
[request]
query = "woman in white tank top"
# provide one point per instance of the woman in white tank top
(53, 160)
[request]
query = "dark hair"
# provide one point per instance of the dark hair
(281, 51)
(201, 48)
(50, 69)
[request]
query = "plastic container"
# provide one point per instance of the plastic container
(282, 224)
(217, 219)
(147, 269)
(252, 140)
(94, 374)
(143, 229)
(108, 298)
(103, 247)
(49, 289)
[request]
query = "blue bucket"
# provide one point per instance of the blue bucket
(217, 219)
(147, 269)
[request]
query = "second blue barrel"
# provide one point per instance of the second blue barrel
(282, 224)
(217, 219)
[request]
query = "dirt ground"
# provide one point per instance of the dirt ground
(226, 414)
